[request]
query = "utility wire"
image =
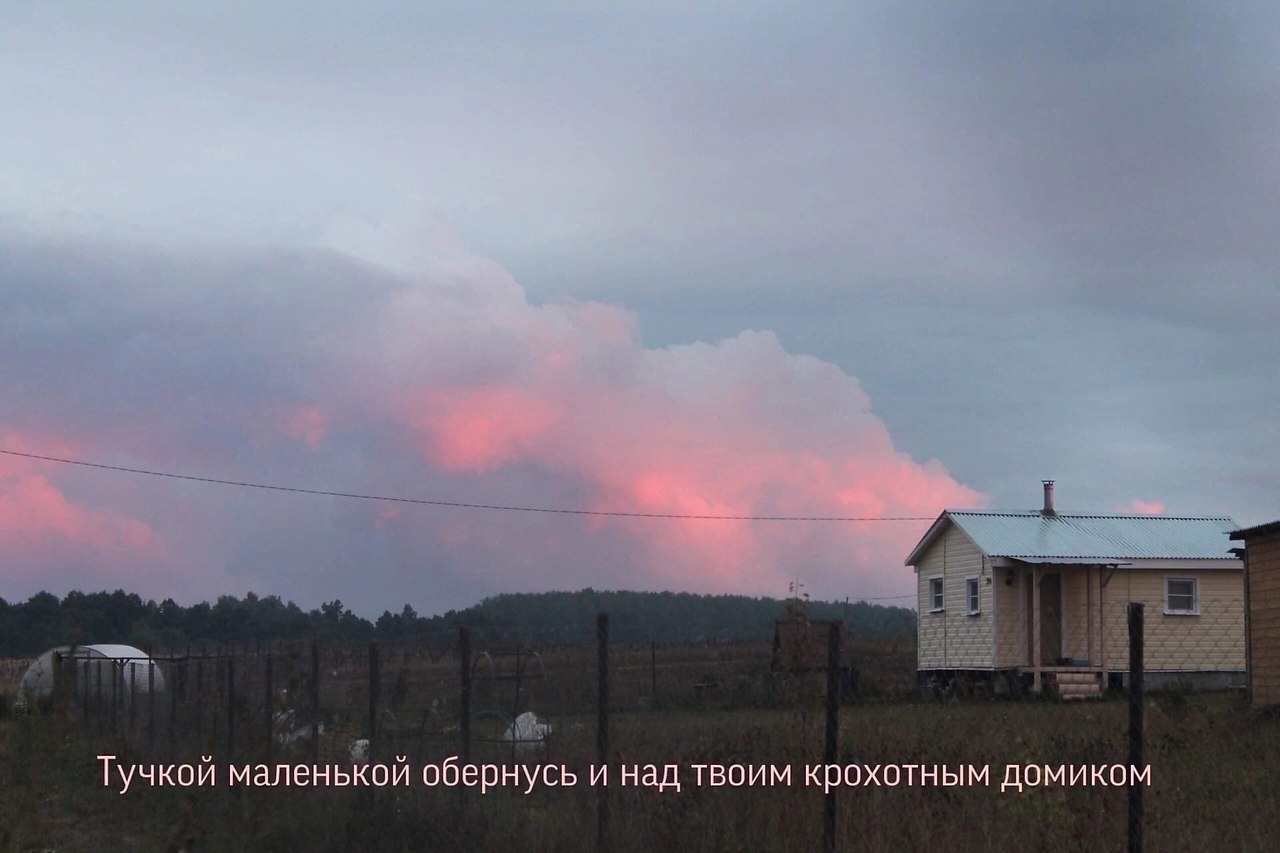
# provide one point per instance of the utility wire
(457, 504)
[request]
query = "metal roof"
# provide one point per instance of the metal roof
(1258, 531)
(1064, 537)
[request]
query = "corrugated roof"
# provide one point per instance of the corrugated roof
(1102, 537)
(1029, 534)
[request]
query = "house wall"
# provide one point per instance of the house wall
(1011, 632)
(1213, 641)
(952, 639)
(1263, 577)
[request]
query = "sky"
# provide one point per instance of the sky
(867, 260)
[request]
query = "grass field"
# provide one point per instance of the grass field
(1213, 762)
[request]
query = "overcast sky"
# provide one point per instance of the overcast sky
(731, 259)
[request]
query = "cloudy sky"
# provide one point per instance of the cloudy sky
(857, 260)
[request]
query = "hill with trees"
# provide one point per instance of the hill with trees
(44, 620)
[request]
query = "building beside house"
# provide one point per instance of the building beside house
(1038, 600)
(1261, 553)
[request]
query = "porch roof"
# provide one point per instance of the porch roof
(1035, 536)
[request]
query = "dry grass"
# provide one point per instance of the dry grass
(1214, 785)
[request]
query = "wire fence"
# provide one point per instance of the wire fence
(335, 702)
(353, 704)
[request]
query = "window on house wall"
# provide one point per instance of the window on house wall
(936, 600)
(1181, 596)
(972, 596)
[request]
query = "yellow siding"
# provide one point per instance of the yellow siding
(1211, 641)
(952, 639)
(1079, 613)
(1264, 619)
(1011, 634)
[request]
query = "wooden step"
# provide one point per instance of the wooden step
(1075, 685)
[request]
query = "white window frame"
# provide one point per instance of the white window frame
(973, 595)
(941, 593)
(1195, 596)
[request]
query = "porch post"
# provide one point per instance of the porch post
(1035, 629)
(1088, 614)
(1102, 625)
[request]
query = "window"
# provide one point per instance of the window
(935, 595)
(972, 596)
(1180, 597)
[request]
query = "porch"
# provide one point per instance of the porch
(1060, 639)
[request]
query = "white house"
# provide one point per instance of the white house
(1039, 598)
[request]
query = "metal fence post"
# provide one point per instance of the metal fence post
(374, 685)
(269, 699)
(151, 702)
(602, 728)
(831, 749)
(464, 714)
(1136, 667)
(231, 702)
(115, 698)
(315, 702)
(177, 679)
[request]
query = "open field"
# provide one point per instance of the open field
(1213, 784)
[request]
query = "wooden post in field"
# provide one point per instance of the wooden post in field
(830, 752)
(1136, 665)
(375, 682)
(653, 670)
(602, 729)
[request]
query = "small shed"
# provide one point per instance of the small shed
(1261, 555)
(130, 668)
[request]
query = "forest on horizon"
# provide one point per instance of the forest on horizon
(45, 621)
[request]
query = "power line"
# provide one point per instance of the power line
(456, 504)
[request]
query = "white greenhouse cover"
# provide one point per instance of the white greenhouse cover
(112, 660)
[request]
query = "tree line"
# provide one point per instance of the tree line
(45, 621)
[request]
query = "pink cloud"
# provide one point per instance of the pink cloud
(449, 384)
(41, 526)
(1137, 506)
(739, 427)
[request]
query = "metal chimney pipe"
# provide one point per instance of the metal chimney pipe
(1048, 498)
